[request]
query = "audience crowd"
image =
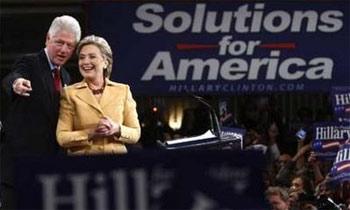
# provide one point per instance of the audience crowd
(295, 178)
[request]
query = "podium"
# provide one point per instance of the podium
(208, 140)
(216, 137)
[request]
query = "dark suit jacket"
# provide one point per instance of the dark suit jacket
(30, 123)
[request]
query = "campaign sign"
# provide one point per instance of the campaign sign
(341, 167)
(328, 137)
(225, 47)
(144, 181)
(341, 103)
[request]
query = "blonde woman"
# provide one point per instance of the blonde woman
(97, 116)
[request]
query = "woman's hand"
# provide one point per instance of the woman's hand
(106, 127)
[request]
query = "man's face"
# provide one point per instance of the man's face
(297, 185)
(60, 47)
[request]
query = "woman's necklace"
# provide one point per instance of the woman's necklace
(97, 91)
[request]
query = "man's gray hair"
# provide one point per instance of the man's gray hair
(65, 23)
(276, 190)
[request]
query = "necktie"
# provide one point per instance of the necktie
(57, 79)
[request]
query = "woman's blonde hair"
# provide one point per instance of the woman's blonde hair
(104, 47)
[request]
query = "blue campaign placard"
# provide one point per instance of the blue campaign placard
(328, 137)
(201, 179)
(340, 172)
(341, 103)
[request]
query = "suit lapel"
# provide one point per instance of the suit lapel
(49, 95)
(65, 78)
(86, 96)
(106, 98)
(44, 73)
(108, 95)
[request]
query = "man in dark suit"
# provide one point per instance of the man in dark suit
(34, 90)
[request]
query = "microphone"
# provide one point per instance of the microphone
(211, 138)
(230, 138)
(214, 120)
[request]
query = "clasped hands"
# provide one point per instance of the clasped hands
(105, 127)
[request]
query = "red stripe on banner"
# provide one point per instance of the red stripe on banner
(344, 167)
(283, 45)
(182, 46)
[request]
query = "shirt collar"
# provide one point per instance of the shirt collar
(52, 66)
(83, 83)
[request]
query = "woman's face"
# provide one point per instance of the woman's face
(91, 62)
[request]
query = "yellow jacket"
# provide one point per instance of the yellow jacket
(80, 112)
